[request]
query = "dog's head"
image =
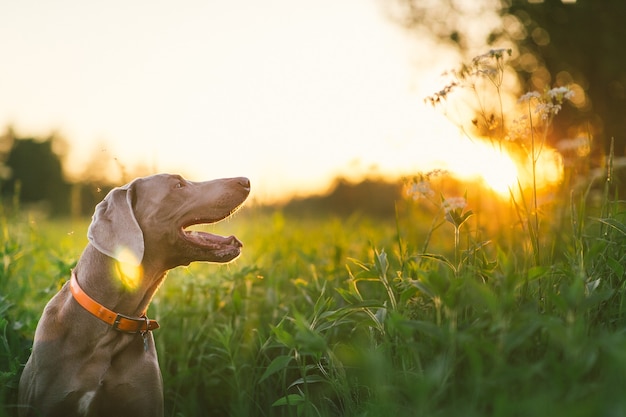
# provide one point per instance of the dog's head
(147, 220)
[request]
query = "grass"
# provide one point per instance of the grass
(479, 306)
(330, 317)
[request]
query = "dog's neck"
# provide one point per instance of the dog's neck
(125, 291)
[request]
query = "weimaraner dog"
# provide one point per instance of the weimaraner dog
(93, 353)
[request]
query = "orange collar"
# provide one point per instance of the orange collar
(118, 321)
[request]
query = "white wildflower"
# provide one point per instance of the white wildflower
(529, 96)
(454, 203)
(421, 189)
(549, 104)
(560, 93)
(547, 110)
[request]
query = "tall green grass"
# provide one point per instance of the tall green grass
(347, 317)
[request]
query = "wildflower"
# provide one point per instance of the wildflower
(495, 54)
(453, 203)
(549, 104)
(486, 66)
(421, 189)
(560, 94)
(529, 96)
(547, 110)
(453, 208)
(440, 95)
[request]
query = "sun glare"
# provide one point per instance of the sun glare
(499, 172)
(500, 176)
(493, 166)
(503, 172)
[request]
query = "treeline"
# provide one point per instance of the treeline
(372, 197)
(32, 174)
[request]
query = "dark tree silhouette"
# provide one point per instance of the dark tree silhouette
(35, 173)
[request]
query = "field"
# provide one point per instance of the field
(431, 313)
(463, 303)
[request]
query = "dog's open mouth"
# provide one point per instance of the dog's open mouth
(216, 248)
(210, 240)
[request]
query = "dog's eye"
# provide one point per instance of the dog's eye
(179, 185)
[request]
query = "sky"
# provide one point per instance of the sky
(290, 93)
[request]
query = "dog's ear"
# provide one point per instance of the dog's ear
(114, 230)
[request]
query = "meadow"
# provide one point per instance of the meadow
(360, 316)
(463, 303)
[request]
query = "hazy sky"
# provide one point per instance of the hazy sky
(287, 92)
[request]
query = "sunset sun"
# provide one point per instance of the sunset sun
(498, 170)
(480, 160)
(502, 171)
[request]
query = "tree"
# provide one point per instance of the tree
(579, 43)
(35, 172)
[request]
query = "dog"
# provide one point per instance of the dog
(93, 353)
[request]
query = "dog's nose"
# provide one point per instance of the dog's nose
(244, 182)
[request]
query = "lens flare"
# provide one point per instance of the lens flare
(128, 269)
